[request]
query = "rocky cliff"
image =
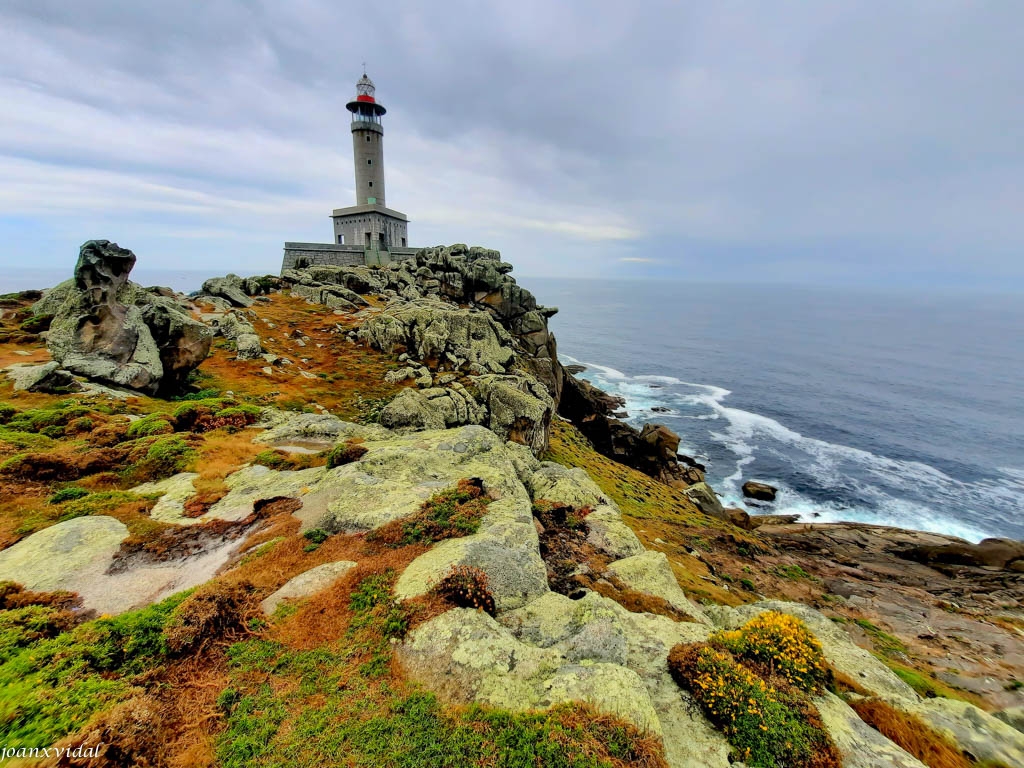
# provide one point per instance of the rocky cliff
(379, 520)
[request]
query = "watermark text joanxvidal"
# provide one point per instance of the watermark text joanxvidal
(58, 752)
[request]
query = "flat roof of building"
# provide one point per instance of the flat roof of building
(361, 210)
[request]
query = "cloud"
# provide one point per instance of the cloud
(793, 141)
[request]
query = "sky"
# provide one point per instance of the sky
(831, 143)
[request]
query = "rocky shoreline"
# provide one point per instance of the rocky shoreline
(589, 593)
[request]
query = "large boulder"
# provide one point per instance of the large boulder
(231, 288)
(432, 408)
(441, 334)
(1002, 554)
(519, 409)
(759, 491)
(108, 329)
(236, 327)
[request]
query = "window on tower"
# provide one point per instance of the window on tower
(370, 183)
(369, 161)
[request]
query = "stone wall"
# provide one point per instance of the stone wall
(326, 254)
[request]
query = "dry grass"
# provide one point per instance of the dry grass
(911, 733)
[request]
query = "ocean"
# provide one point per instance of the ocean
(903, 410)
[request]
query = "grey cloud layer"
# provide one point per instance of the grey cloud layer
(569, 134)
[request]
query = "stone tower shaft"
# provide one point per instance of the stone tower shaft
(367, 144)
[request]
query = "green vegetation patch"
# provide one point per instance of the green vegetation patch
(25, 441)
(287, 707)
(52, 687)
(37, 419)
(778, 644)
(767, 726)
(884, 643)
(449, 514)
(148, 426)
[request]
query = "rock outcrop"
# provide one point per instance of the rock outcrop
(759, 491)
(111, 330)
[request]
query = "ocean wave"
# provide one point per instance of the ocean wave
(898, 492)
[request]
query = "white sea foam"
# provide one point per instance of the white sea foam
(881, 483)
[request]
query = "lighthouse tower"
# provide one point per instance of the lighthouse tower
(369, 224)
(367, 143)
(367, 232)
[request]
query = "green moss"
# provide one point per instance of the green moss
(37, 419)
(315, 537)
(344, 453)
(25, 441)
(925, 685)
(792, 572)
(885, 644)
(148, 426)
(166, 456)
(451, 513)
(36, 323)
(203, 394)
(21, 627)
(7, 412)
(70, 493)
(53, 687)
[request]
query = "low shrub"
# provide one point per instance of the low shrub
(767, 726)
(148, 426)
(466, 587)
(207, 614)
(7, 412)
(315, 537)
(37, 419)
(54, 686)
(36, 324)
(911, 733)
(165, 457)
(449, 514)
(80, 426)
(344, 453)
(779, 644)
(54, 431)
(283, 461)
(70, 493)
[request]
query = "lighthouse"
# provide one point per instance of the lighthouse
(368, 232)
(367, 143)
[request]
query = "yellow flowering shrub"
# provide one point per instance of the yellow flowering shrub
(767, 727)
(779, 645)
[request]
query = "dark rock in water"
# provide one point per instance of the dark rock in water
(1001, 554)
(111, 330)
(690, 462)
(759, 491)
(661, 409)
(621, 414)
(575, 368)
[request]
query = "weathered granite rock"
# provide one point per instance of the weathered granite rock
(434, 408)
(1012, 716)
(607, 531)
(539, 662)
(519, 409)
(307, 583)
(466, 656)
(706, 500)
(988, 553)
(860, 745)
(650, 573)
(984, 736)
(174, 491)
(434, 330)
(231, 288)
(759, 491)
(109, 329)
(47, 377)
(60, 556)
(282, 428)
(237, 328)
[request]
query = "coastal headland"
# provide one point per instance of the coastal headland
(363, 515)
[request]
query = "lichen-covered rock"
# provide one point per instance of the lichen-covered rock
(433, 408)
(47, 377)
(706, 500)
(111, 330)
(173, 491)
(651, 574)
(60, 556)
(237, 328)
(231, 288)
(289, 427)
(466, 656)
(839, 649)
(519, 409)
(986, 737)
(307, 583)
(860, 745)
(607, 531)
(437, 331)
(1012, 716)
